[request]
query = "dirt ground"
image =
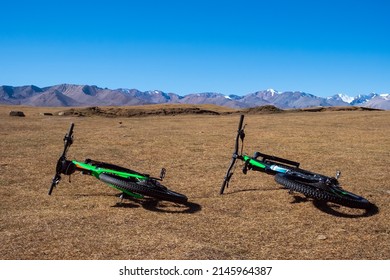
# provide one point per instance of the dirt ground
(254, 219)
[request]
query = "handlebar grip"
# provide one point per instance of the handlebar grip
(70, 132)
(51, 188)
(71, 126)
(54, 182)
(68, 138)
(241, 122)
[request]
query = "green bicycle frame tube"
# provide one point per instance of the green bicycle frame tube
(254, 162)
(96, 171)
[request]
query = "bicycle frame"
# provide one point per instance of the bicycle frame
(268, 163)
(96, 168)
(273, 165)
(288, 174)
(95, 171)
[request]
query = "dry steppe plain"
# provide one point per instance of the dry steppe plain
(255, 218)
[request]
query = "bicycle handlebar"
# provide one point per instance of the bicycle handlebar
(229, 173)
(68, 140)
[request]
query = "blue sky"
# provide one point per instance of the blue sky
(230, 47)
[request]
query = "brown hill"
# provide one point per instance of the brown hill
(184, 109)
(146, 110)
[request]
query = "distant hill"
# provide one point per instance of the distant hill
(188, 109)
(69, 95)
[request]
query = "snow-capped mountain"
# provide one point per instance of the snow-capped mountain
(342, 97)
(379, 101)
(86, 95)
(372, 100)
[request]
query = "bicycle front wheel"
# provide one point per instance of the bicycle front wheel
(150, 188)
(335, 195)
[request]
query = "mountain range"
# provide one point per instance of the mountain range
(69, 95)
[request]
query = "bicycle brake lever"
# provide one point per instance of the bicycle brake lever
(227, 178)
(242, 134)
(56, 179)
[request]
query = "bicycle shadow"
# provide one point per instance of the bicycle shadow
(326, 207)
(247, 190)
(338, 210)
(160, 206)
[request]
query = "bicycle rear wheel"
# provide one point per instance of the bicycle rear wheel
(150, 188)
(332, 194)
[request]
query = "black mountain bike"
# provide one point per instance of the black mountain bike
(288, 174)
(131, 183)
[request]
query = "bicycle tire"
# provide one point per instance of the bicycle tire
(348, 199)
(147, 188)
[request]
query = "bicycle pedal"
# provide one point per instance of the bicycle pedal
(163, 173)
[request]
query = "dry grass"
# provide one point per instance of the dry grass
(255, 219)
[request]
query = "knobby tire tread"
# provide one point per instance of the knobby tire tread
(320, 194)
(147, 189)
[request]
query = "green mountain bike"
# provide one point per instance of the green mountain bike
(288, 174)
(131, 183)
